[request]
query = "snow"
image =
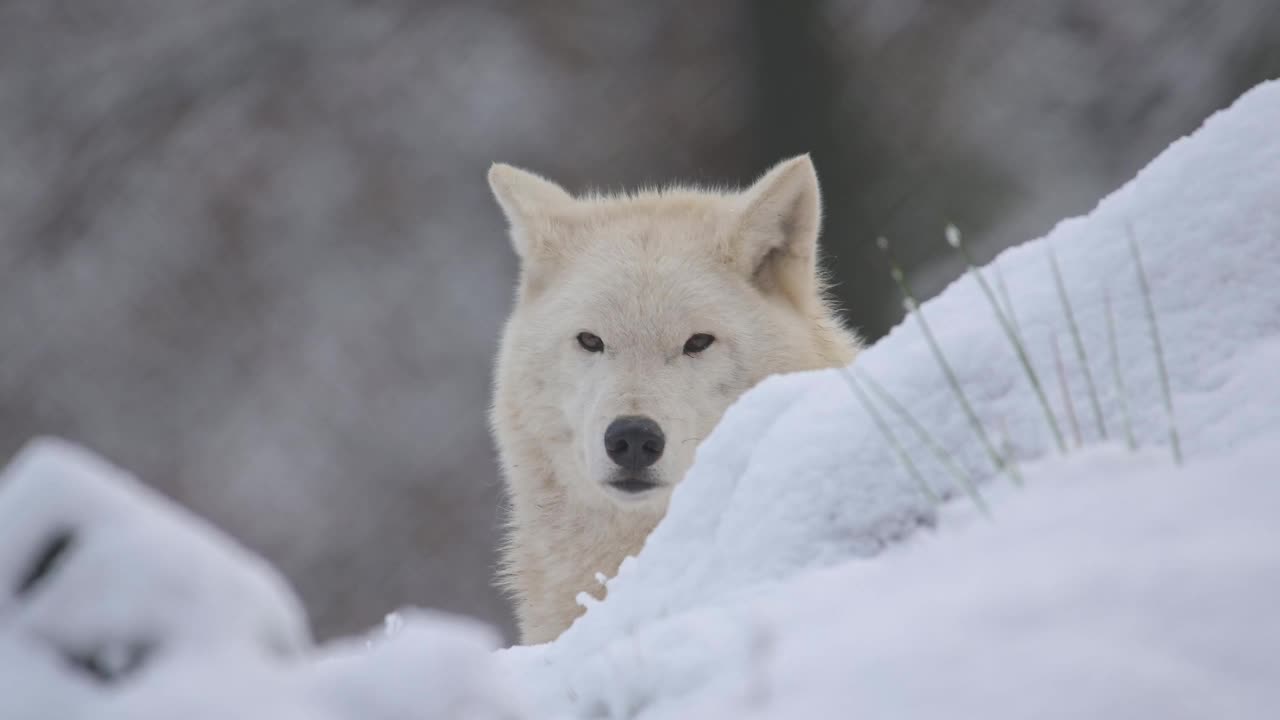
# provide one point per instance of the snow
(800, 572)
(433, 666)
(151, 613)
(1159, 610)
(133, 585)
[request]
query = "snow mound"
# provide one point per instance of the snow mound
(115, 603)
(94, 579)
(800, 572)
(1115, 588)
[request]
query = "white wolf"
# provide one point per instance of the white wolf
(638, 320)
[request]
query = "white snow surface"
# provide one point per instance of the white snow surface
(800, 572)
(132, 585)
(180, 621)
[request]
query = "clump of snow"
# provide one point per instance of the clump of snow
(432, 666)
(100, 578)
(115, 603)
(428, 665)
(800, 572)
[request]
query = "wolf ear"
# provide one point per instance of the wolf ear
(525, 198)
(776, 240)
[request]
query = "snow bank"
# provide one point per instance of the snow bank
(1114, 588)
(1112, 585)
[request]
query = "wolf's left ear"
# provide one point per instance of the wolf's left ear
(525, 199)
(776, 240)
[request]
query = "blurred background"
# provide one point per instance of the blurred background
(247, 250)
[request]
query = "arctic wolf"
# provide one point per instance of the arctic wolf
(638, 320)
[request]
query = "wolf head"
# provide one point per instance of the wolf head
(640, 318)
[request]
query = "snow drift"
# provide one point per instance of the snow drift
(799, 571)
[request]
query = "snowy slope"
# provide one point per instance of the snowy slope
(799, 572)
(1161, 609)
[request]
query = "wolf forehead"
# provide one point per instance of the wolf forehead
(681, 222)
(766, 233)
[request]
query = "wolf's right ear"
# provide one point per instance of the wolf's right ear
(525, 198)
(777, 231)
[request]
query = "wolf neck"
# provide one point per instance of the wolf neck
(557, 548)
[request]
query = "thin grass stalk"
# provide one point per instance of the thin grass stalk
(954, 239)
(1006, 442)
(1081, 355)
(1008, 303)
(939, 453)
(1121, 393)
(903, 456)
(1067, 403)
(913, 307)
(1174, 442)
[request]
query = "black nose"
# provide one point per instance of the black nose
(634, 442)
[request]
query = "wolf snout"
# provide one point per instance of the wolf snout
(634, 442)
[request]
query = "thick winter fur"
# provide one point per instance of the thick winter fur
(643, 273)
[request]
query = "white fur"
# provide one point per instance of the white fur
(644, 272)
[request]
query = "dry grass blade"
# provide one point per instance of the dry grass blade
(1008, 302)
(1174, 443)
(1069, 406)
(939, 453)
(913, 307)
(903, 456)
(1121, 393)
(954, 239)
(1081, 355)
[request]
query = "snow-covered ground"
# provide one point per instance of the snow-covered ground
(800, 571)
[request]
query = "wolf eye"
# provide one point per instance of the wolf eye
(697, 343)
(590, 342)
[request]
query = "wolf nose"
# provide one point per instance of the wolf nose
(634, 442)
